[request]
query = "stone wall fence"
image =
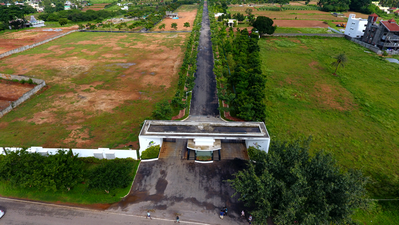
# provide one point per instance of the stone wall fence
(23, 48)
(40, 84)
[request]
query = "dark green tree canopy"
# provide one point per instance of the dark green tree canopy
(264, 25)
(288, 184)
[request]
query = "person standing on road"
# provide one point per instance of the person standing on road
(177, 219)
(148, 215)
(225, 211)
(242, 213)
(250, 219)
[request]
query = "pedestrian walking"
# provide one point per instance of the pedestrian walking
(250, 219)
(242, 213)
(177, 219)
(148, 215)
(221, 214)
(225, 211)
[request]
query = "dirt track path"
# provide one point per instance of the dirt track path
(205, 101)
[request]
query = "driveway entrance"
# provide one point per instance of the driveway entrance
(173, 185)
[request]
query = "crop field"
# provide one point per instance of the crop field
(13, 40)
(353, 115)
(186, 13)
(100, 88)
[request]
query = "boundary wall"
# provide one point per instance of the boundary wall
(40, 84)
(23, 48)
(364, 44)
(100, 153)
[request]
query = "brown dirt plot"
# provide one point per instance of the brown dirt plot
(183, 18)
(117, 71)
(10, 41)
(12, 91)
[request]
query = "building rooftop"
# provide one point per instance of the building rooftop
(391, 25)
(222, 130)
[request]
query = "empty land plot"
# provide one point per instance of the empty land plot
(186, 13)
(11, 91)
(100, 88)
(352, 115)
(290, 14)
(13, 40)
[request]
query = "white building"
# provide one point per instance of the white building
(355, 26)
(125, 8)
(204, 138)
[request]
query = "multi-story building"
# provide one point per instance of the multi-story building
(355, 26)
(384, 35)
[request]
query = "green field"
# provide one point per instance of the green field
(101, 86)
(304, 30)
(353, 115)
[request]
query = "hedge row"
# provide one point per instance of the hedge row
(63, 171)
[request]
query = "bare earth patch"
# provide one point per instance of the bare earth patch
(18, 39)
(85, 87)
(11, 91)
(183, 18)
(334, 97)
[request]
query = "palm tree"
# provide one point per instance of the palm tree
(340, 61)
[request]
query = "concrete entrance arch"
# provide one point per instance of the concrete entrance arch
(204, 136)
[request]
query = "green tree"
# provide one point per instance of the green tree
(340, 60)
(282, 2)
(63, 21)
(174, 25)
(293, 187)
(81, 27)
(334, 5)
(162, 26)
(264, 25)
(110, 174)
(59, 6)
(119, 26)
(162, 111)
(186, 24)
(248, 11)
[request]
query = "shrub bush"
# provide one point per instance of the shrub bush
(151, 152)
(110, 174)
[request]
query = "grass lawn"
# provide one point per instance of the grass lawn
(100, 89)
(80, 194)
(353, 115)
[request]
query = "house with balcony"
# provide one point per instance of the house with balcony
(384, 35)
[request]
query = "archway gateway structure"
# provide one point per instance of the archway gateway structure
(204, 138)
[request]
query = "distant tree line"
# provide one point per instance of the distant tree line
(77, 15)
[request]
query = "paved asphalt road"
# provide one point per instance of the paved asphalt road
(205, 101)
(173, 185)
(32, 213)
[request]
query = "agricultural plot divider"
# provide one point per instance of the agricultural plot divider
(21, 49)
(182, 99)
(40, 84)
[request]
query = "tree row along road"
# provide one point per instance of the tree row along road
(205, 101)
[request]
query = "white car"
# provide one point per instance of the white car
(1, 213)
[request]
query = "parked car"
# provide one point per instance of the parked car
(2, 213)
